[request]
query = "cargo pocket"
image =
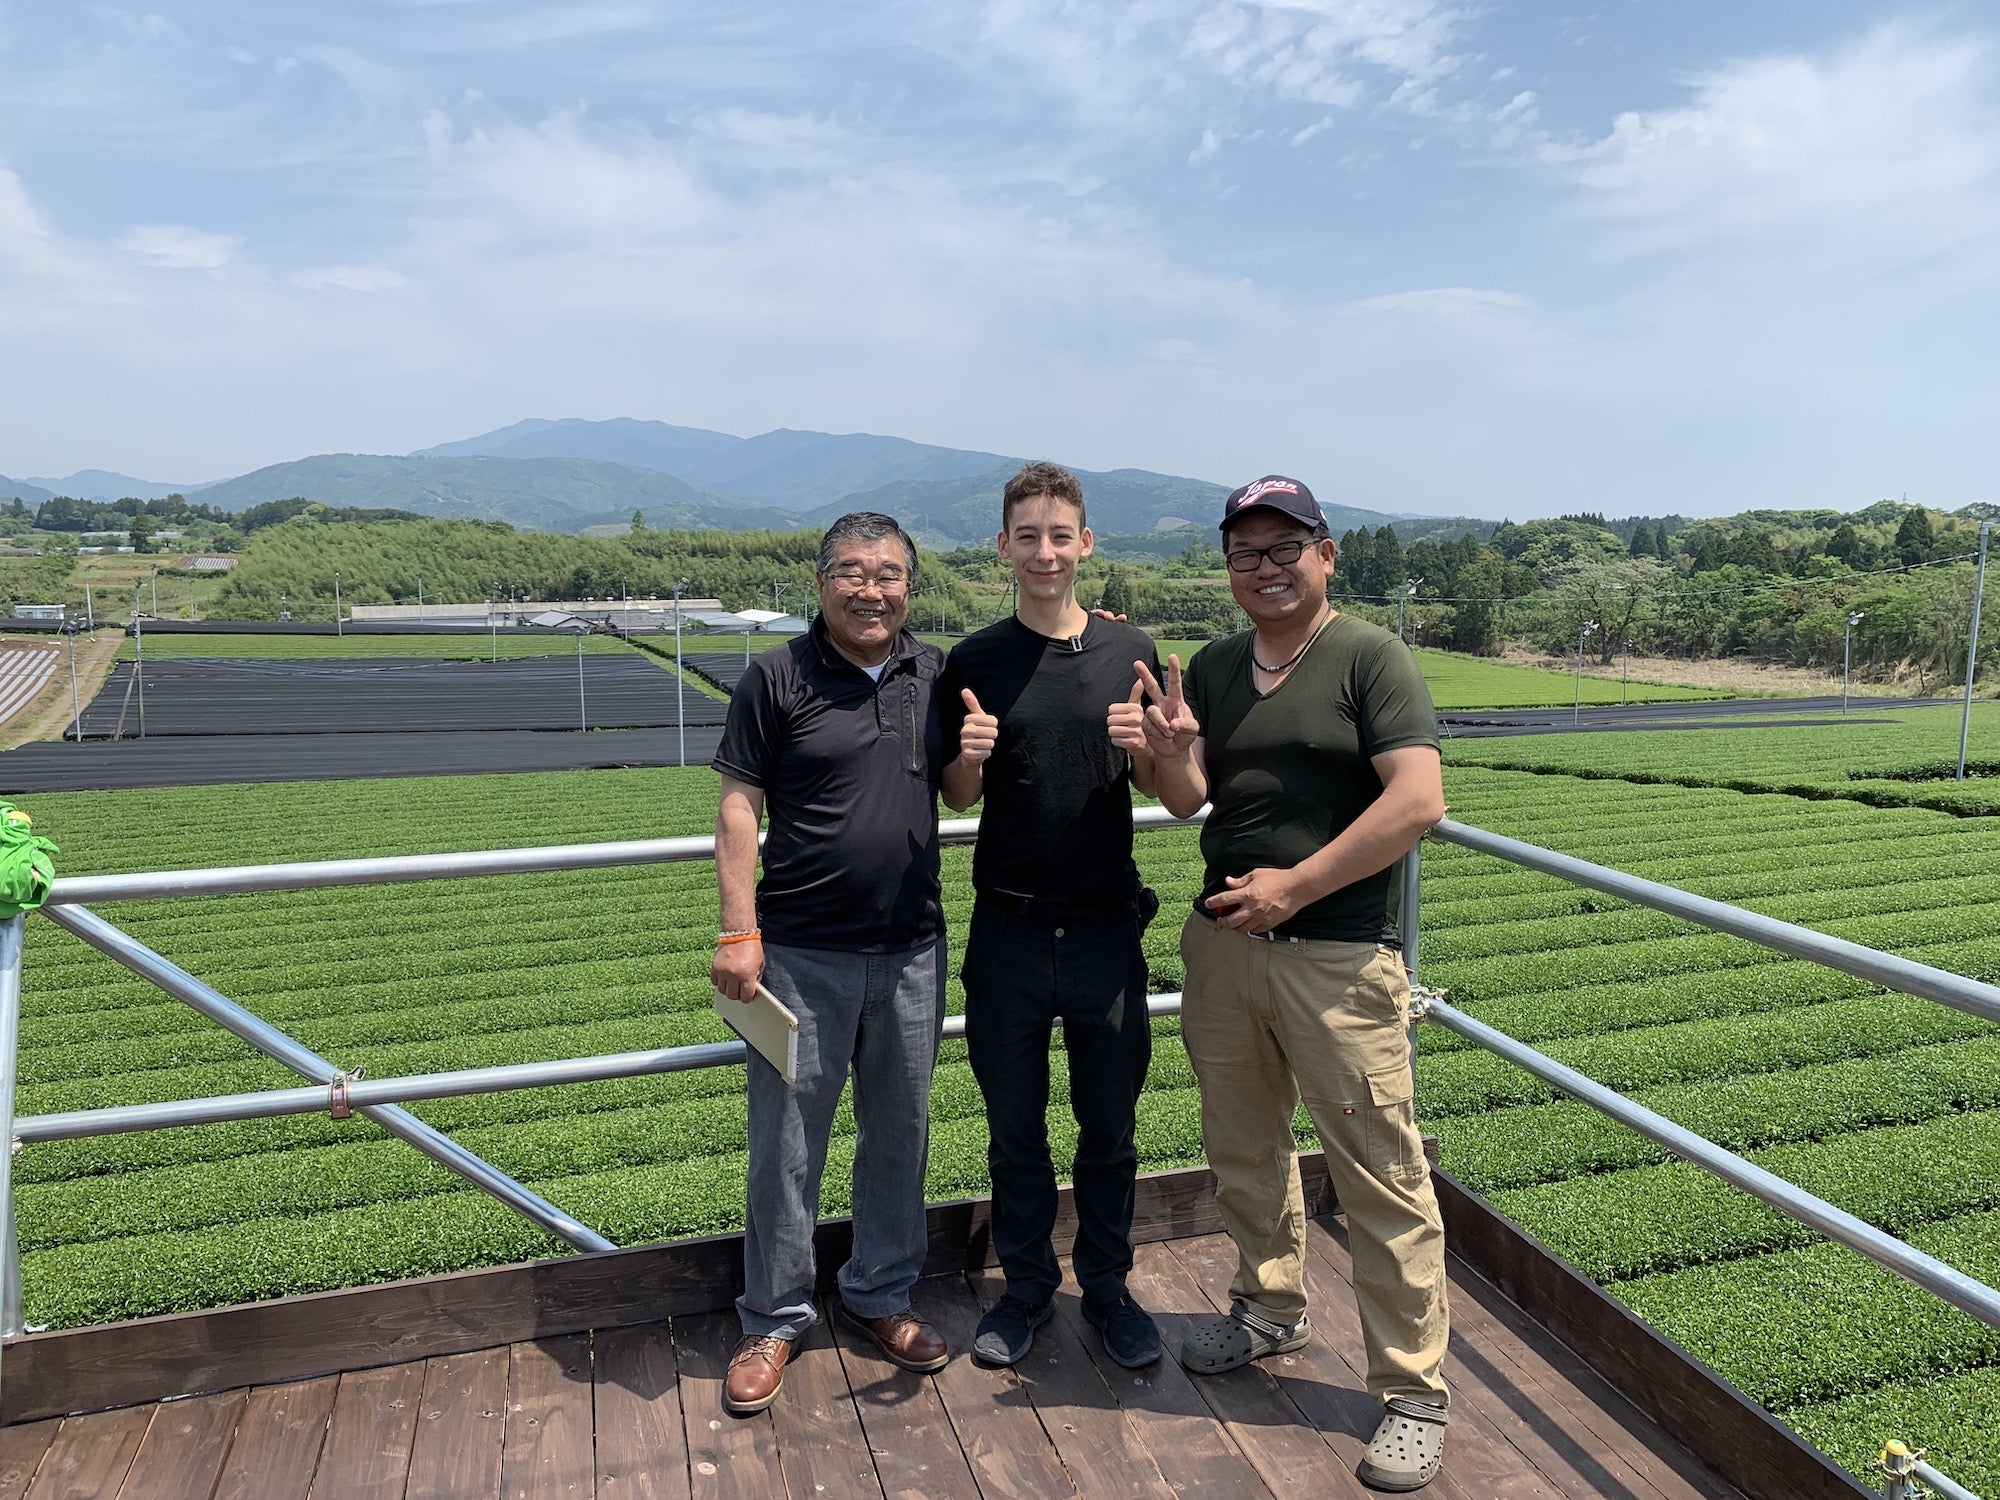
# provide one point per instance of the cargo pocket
(1395, 1149)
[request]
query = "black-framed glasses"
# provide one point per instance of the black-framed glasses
(1284, 554)
(851, 580)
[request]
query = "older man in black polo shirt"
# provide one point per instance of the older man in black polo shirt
(836, 736)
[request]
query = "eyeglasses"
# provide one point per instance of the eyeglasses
(890, 580)
(1284, 554)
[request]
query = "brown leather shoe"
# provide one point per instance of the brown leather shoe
(756, 1370)
(904, 1339)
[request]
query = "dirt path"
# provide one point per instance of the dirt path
(1735, 675)
(47, 715)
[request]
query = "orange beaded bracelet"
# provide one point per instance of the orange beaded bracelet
(738, 937)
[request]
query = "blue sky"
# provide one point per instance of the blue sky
(1512, 259)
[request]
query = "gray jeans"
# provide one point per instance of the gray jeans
(881, 1014)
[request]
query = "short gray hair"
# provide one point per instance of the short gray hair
(863, 526)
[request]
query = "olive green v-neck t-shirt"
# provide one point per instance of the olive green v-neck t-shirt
(1288, 771)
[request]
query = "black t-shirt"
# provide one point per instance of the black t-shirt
(1058, 819)
(1289, 770)
(849, 770)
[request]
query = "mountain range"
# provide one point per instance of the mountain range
(571, 475)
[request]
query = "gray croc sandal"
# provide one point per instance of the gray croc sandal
(1407, 1448)
(1213, 1345)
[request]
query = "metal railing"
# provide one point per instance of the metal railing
(381, 1099)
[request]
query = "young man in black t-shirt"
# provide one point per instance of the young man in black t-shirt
(1057, 921)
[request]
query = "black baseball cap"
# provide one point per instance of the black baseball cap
(1273, 492)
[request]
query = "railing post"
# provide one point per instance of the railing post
(10, 1044)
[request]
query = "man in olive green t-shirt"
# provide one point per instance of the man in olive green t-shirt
(1313, 739)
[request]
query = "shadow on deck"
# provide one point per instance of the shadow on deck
(631, 1408)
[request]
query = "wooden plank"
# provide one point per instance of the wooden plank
(820, 1443)
(917, 1456)
(22, 1449)
(90, 1456)
(1173, 1423)
(1003, 1439)
(1479, 1460)
(371, 1434)
(548, 1452)
(1527, 1370)
(1099, 1448)
(295, 1338)
(1739, 1439)
(1290, 1452)
(278, 1441)
(461, 1426)
(729, 1457)
(641, 1440)
(181, 1457)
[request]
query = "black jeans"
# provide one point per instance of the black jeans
(1022, 974)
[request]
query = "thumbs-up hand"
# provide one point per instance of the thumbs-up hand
(1125, 721)
(980, 732)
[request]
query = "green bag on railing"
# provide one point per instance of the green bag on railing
(26, 872)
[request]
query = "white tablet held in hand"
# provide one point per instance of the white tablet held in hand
(765, 1024)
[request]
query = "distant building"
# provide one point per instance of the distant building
(621, 614)
(218, 562)
(39, 611)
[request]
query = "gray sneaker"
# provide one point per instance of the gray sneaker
(1007, 1332)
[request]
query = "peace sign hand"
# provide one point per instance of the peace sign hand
(1170, 725)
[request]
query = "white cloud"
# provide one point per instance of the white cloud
(1122, 61)
(180, 247)
(1882, 154)
(1208, 146)
(1318, 127)
(1444, 302)
(349, 279)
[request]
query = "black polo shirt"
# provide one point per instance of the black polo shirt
(849, 771)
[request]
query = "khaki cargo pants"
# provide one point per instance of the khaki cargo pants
(1264, 1024)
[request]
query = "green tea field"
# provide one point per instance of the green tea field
(1461, 681)
(1901, 759)
(1887, 1105)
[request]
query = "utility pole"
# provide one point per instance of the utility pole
(1582, 631)
(1854, 618)
(1625, 674)
(75, 702)
(582, 709)
(139, 666)
(493, 617)
(336, 602)
(1972, 649)
(1409, 591)
(680, 680)
(156, 593)
(89, 614)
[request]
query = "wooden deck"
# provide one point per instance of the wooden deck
(635, 1413)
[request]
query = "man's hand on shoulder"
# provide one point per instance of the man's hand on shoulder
(1259, 901)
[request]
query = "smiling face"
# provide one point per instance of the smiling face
(864, 598)
(1044, 541)
(1278, 594)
